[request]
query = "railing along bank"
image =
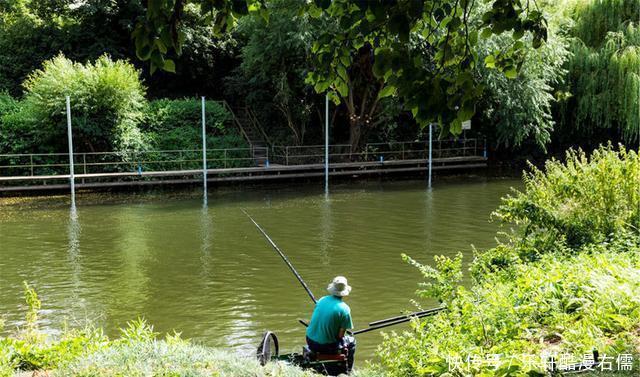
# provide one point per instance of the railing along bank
(405, 150)
(37, 164)
(40, 164)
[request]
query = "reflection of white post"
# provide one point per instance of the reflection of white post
(204, 150)
(326, 144)
(70, 139)
(430, 151)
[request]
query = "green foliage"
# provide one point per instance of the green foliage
(177, 124)
(34, 304)
(26, 41)
(138, 352)
(274, 65)
(519, 108)
(434, 86)
(583, 200)
(32, 350)
(604, 71)
(170, 357)
(595, 19)
(107, 103)
(442, 280)
(34, 31)
(41, 353)
(556, 305)
(7, 104)
(565, 284)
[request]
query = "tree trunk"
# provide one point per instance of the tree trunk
(355, 134)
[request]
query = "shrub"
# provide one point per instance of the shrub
(171, 356)
(566, 282)
(107, 103)
(177, 125)
(139, 351)
(581, 201)
(556, 306)
(11, 137)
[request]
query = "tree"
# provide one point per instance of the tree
(604, 70)
(274, 63)
(513, 110)
(436, 85)
(34, 31)
(357, 87)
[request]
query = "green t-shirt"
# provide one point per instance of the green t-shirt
(329, 316)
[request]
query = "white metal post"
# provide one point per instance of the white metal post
(430, 151)
(204, 149)
(70, 139)
(326, 144)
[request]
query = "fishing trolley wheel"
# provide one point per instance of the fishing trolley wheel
(268, 348)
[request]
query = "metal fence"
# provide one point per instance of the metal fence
(406, 150)
(37, 164)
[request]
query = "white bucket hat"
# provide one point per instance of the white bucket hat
(339, 287)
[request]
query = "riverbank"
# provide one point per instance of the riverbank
(559, 292)
(139, 351)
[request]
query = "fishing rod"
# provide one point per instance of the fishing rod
(419, 314)
(284, 257)
(376, 325)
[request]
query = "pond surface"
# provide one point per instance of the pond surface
(207, 272)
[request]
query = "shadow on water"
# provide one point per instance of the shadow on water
(197, 265)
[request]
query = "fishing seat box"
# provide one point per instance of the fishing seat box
(314, 356)
(327, 364)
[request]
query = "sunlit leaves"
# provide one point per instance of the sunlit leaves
(422, 48)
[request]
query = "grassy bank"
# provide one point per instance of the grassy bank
(138, 351)
(565, 281)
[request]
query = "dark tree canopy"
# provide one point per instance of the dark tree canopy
(421, 51)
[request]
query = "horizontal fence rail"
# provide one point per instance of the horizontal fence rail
(405, 150)
(38, 164)
(129, 165)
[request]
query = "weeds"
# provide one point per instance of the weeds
(567, 282)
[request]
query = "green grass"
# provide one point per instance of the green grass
(139, 351)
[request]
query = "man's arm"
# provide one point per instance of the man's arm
(341, 333)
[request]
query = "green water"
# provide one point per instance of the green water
(206, 271)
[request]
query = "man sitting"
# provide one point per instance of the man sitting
(330, 320)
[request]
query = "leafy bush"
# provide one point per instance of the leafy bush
(566, 282)
(555, 306)
(177, 125)
(107, 103)
(581, 201)
(32, 350)
(171, 356)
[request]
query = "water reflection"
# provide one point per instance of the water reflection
(326, 234)
(73, 256)
(206, 228)
(134, 257)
